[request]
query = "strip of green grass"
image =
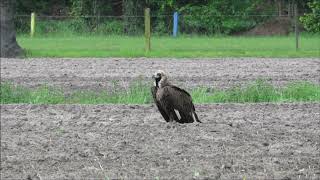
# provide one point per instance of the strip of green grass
(124, 46)
(260, 91)
(139, 93)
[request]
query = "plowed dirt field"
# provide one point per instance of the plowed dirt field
(235, 141)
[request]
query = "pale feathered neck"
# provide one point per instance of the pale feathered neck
(164, 82)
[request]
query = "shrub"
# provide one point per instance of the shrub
(222, 17)
(161, 28)
(110, 27)
(201, 19)
(311, 21)
(73, 26)
(76, 26)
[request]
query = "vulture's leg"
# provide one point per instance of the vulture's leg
(163, 113)
(171, 121)
(186, 118)
(183, 118)
(170, 112)
(172, 116)
(190, 118)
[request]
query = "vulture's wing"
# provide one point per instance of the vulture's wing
(160, 108)
(187, 94)
(181, 90)
(181, 100)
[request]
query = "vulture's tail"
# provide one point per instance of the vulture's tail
(196, 117)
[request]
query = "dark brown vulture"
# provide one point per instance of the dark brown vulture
(174, 103)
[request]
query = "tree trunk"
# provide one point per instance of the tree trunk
(9, 46)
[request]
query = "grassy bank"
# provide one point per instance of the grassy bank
(124, 46)
(139, 93)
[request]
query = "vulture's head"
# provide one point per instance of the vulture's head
(160, 78)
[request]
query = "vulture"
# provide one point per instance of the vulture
(174, 103)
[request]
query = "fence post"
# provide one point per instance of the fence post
(147, 31)
(175, 23)
(296, 24)
(32, 24)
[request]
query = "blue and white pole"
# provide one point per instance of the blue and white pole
(175, 23)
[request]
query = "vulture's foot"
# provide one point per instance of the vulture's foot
(172, 124)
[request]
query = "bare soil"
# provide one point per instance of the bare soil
(101, 74)
(256, 141)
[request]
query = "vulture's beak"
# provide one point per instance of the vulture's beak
(156, 77)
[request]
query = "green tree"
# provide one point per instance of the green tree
(311, 21)
(133, 10)
(46, 7)
(223, 16)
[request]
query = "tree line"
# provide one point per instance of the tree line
(200, 16)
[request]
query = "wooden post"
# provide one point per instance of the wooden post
(147, 30)
(32, 24)
(296, 24)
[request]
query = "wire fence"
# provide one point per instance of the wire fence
(207, 28)
(228, 24)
